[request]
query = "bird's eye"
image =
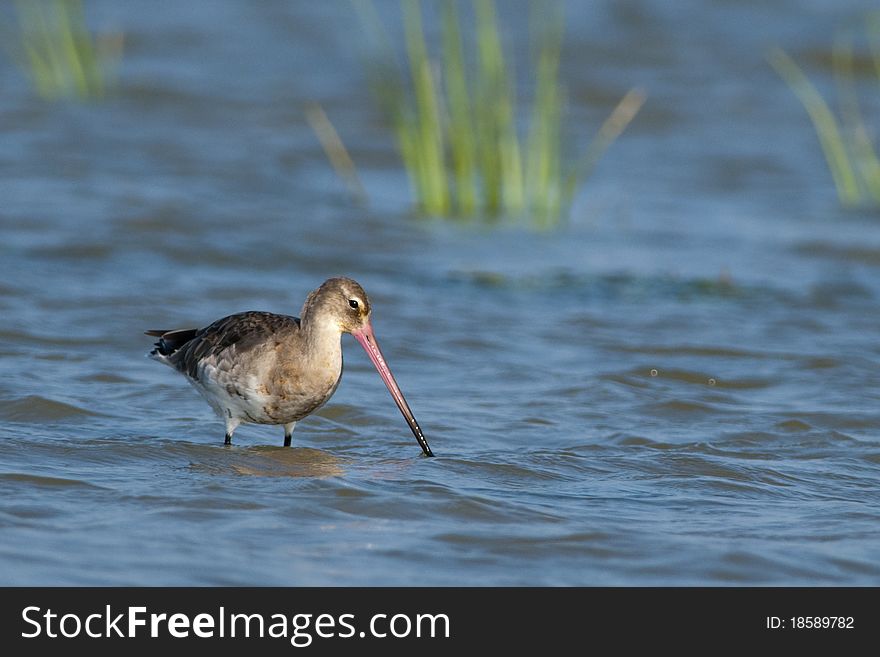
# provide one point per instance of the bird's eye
(353, 303)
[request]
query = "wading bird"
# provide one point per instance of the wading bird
(276, 369)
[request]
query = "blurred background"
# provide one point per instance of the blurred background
(623, 259)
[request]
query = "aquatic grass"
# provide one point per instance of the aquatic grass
(461, 126)
(336, 151)
(855, 125)
(456, 118)
(425, 134)
(844, 134)
(62, 58)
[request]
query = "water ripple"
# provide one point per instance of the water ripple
(35, 408)
(49, 482)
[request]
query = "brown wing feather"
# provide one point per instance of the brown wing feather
(170, 341)
(243, 331)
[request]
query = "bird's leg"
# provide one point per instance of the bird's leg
(231, 424)
(288, 429)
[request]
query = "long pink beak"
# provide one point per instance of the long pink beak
(368, 342)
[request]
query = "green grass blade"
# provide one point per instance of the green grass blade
(432, 167)
(501, 157)
(620, 117)
(490, 83)
(461, 130)
(336, 152)
(72, 44)
(856, 132)
(824, 123)
(61, 56)
(543, 168)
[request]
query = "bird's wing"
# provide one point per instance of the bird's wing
(241, 332)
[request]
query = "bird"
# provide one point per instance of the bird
(266, 368)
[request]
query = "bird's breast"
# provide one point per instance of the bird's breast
(294, 391)
(273, 385)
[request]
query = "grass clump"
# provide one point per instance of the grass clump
(60, 55)
(456, 119)
(846, 138)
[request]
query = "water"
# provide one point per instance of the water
(678, 387)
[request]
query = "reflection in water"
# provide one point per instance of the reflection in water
(285, 462)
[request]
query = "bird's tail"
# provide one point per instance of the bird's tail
(170, 341)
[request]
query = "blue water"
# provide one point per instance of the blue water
(678, 386)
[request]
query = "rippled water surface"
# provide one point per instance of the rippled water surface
(678, 386)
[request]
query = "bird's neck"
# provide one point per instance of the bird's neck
(323, 342)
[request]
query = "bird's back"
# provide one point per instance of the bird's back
(231, 338)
